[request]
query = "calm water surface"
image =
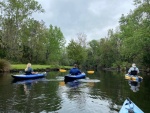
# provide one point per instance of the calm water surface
(101, 92)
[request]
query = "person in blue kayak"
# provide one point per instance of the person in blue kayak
(133, 70)
(29, 70)
(75, 70)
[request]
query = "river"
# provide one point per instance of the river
(101, 92)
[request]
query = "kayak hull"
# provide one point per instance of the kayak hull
(32, 76)
(133, 78)
(74, 77)
(128, 105)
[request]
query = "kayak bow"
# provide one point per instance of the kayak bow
(130, 107)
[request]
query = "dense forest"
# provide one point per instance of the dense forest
(24, 39)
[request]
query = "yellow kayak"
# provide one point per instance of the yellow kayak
(133, 78)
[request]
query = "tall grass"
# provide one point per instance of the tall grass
(4, 65)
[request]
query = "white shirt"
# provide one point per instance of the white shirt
(133, 68)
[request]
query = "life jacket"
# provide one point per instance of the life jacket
(74, 71)
(29, 71)
(134, 72)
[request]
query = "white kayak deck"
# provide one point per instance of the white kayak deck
(129, 105)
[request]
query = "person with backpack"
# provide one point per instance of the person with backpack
(133, 70)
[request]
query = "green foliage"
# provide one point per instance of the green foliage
(24, 39)
(121, 65)
(77, 50)
(130, 44)
(104, 53)
(135, 31)
(54, 43)
(13, 18)
(64, 60)
(4, 65)
(74, 51)
(32, 42)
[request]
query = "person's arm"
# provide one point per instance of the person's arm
(26, 69)
(79, 72)
(31, 70)
(70, 71)
(129, 71)
(138, 70)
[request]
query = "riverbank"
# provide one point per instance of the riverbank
(47, 68)
(38, 68)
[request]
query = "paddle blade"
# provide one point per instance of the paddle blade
(62, 70)
(90, 72)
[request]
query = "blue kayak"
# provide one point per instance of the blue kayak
(31, 76)
(130, 107)
(74, 77)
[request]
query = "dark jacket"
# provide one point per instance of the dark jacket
(75, 71)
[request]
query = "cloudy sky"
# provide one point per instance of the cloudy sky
(91, 17)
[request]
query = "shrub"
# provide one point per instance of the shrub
(4, 65)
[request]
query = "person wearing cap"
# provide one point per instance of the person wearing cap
(75, 70)
(133, 70)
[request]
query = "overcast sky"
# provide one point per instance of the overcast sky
(91, 17)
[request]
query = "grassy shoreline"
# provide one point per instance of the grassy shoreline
(37, 66)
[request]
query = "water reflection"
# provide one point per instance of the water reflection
(74, 95)
(73, 84)
(27, 84)
(27, 88)
(103, 92)
(37, 95)
(29, 81)
(82, 96)
(134, 86)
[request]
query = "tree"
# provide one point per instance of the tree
(76, 49)
(14, 13)
(54, 42)
(135, 44)
(32, 41)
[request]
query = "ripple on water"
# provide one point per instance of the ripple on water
(42, 96)
(89, 80)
